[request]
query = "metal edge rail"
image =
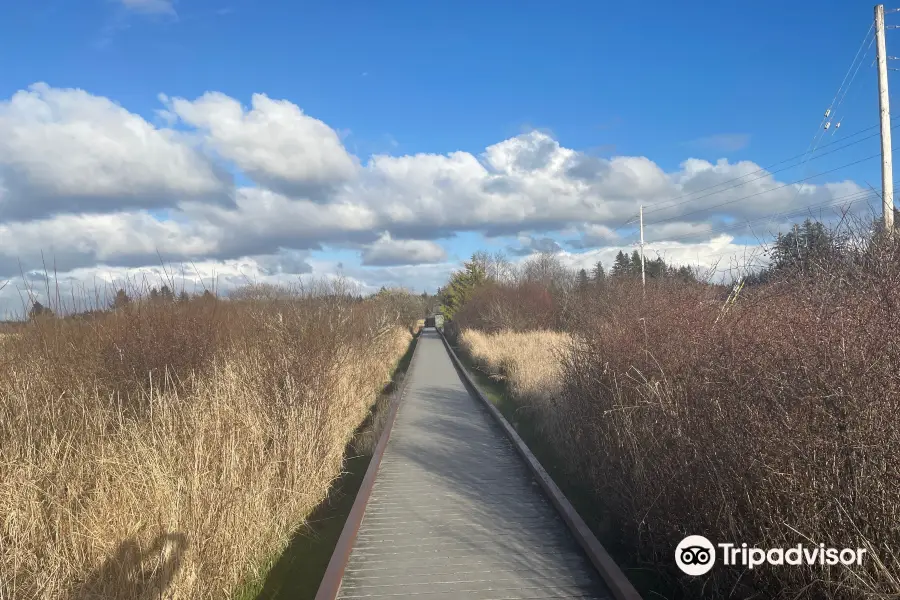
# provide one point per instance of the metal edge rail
(334, 573)
(612, 575)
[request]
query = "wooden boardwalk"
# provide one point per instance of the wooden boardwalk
(454, 511)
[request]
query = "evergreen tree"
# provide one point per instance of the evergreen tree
(166, 294)
(802, 247)
(599, 273)
(635, 267)
(583, 280)
(682, 273)
(656, 268)
(621, 266)
(461, 286)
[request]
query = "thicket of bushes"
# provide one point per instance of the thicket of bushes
(168, 449)
(772, 423)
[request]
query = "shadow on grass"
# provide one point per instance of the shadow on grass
(297, 573)
(648, 582)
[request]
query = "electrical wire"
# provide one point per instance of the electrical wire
(763, 176)
(811, 149)
(767, 170)
(706, 208)
(856, 196)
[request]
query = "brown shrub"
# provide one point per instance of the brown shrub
(171, 449)
(772, 424)
(522, 306)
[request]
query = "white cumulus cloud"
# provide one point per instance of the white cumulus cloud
(65, 150)
(96, 186)
(274, 141)
(390, 252)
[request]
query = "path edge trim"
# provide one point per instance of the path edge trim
(612, 575)
(334, 573)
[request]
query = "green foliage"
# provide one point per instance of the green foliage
(621, 266)
(802, 250)
(582, 280)
(635, 266)
(655, 268)
(461, 286)
(599, 273)
(802, 247)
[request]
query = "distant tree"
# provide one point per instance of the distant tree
(802, 248)
(121, 299)
(682, 273)
(154, 294)
(183, 297)
(461, 286)
(548, 270)
(207, 295)
(583, 280)
(599, 273)
(621, 266)
(635, 263)
(166, 294)
(38, 310)
(656, 268)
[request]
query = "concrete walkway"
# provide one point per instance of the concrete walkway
(454, 512)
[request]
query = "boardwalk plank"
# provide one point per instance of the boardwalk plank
(454, 512)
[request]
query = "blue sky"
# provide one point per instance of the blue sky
(645, 77)
(662, 80)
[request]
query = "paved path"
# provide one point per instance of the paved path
(454, 512)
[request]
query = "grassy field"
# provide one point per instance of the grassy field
(172, 449)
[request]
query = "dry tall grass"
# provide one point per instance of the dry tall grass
(530, 362)
(169, 450)
(773, 425)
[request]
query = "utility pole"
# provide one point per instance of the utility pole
(887, 169)
(643, 276)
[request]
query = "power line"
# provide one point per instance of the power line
(767, 170)
(766, 174)
(820, 131)
(849, 85)
(856, 162)
(861, 195)
(823, 126)
(811, 149)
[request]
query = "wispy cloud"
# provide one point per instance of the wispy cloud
(721, 142)
(122, 18)
(151, 7)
